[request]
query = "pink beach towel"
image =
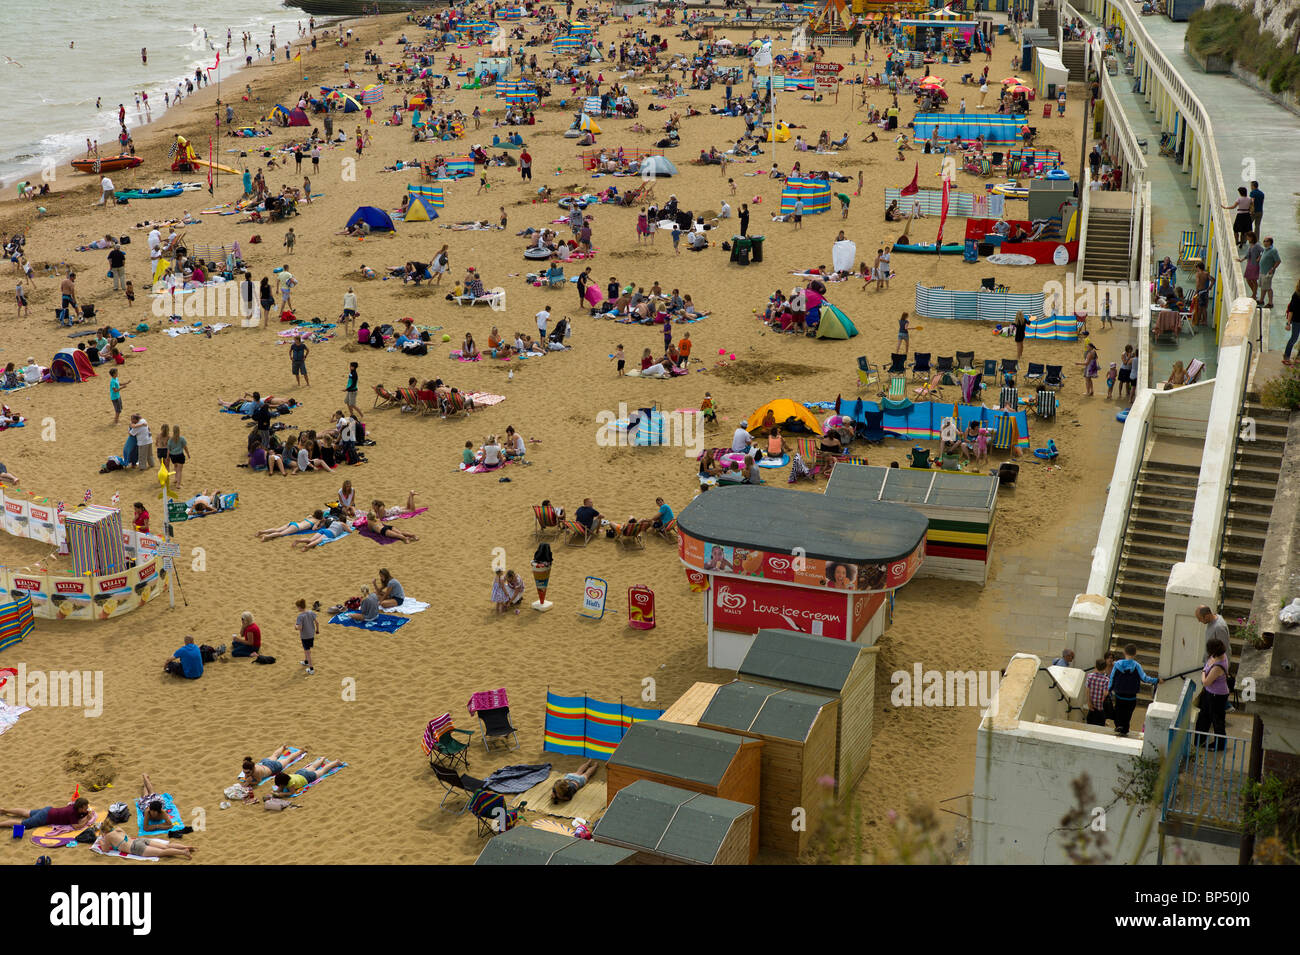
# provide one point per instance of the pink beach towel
(488, 700)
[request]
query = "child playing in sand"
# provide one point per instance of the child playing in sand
(1111, 374)
(708, 410)
(290, 239)
(621, 358)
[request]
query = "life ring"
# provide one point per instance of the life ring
(1057, 174)
(1122, 416)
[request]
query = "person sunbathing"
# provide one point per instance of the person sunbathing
(205, 503)
(567, 787)
(375, 518)
(113, 839)
(333, 531)
(289, 784)
(315, 522)
(74, 814)
(153, 809)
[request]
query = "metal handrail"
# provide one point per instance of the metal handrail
(1180, 739)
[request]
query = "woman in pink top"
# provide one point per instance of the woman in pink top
(1214, 696)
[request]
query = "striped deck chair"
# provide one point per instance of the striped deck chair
(545, 520)
(806, 449)
(931, 389)
(407, 399)
(385, 399)
(1009, 398)
(897, 390)
(633, 533)
(669, 531)
(575, 532)
(455, 404)
(1189, 249)
(441, 745)
(1007, 434)
(426, 402)
(1045, 404)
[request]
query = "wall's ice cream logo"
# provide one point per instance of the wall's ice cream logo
(730, 600)
(595, 593)
(778, 563)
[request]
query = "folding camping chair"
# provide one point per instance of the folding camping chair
(493, 815)
(871, 427)
(496, 725)
(546, 520)
(897, 364)
(921, 365)
(453, 783)
(990, 368)
(1054, 377)
(920, 458)
(945, 367)
(1034, 372)
(1045, 403)
(555, 277)
(965, 360)
(1010, 366)
(441, 744)
(867, 373)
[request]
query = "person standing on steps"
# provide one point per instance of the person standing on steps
(1126, 677)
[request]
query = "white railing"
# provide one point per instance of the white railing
(1142, 307)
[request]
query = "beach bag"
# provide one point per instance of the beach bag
(272, 804)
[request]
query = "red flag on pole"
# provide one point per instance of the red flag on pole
(943, 216)
(210, 165)
(216, 64)
(915, 186)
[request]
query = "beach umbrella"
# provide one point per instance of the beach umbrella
(933, 81)
(1012, 81)
(1018, 89)
(724, 42)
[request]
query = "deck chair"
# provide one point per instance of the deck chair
(633, 533)
(920, 457)
(426, 402)
(546, 520)
(1190, 250)
(453, 783)
(868, 373)
(897, 364)
(921, 365)
(965, 359)
(1007, 434)
(930, 389)
(1194, 369)
(496, 725)
(442, 746)
(871, 427)
(946, 367)
(407, 398)
(1014, 166)
(1034, 372)
(1045, 404)
(986, 168)
(1008, 397)
(493, 815)
(990, 368)
(897, 390)
(385, 399)
(1054, 377)
(1010, 366)
(669, 531)
(454, 404)
(576, 531)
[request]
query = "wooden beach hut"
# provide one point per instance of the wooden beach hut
(691, 704)
(822, 666)
(960, 508)
(525, 845)
(668, 825)
(797, 730)
(699, 760)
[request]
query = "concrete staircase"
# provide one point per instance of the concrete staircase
(1255, 475)
(1156, 540)
(1106, 246)
(1048, 19)
(1072, 56)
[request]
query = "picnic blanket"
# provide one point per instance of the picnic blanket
(482, 468)
(457, 355)
(169, 807)
(315, 782)
(55, 837)
(409, 606)
(510, 780)
(97, 848)
(483, 399)
(384, 623)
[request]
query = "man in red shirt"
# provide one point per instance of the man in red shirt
(526, 165)
(76, 814)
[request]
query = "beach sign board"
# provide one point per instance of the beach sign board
(640, 608)
(594, 591)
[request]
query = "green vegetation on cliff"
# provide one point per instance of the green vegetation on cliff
(1234, 34)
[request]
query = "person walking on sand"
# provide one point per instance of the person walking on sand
(350, 392)
(904, 333)
(115, 387)
(290, 239)
(298, 352)
(305, 624)
(287, 282)
(105, 192)
(1089, 364)
(178, 452)
(349, 308)
(744, 218)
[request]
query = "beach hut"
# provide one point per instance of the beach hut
(95, 540)
(420, 210)
(960, 508)
(15, 621)
(525, 845)
(691, 705)
(657, 166)
(834, 668)
(814, 193)
(71, 365)
(377, 219)
(699, 760)
(667, 825)
(797, 730)
(784, 411)
(834, 323)
(431, 194)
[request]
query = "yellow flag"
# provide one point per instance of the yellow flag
(297, 57)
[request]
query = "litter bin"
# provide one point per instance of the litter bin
(756, 248)
(740, 246)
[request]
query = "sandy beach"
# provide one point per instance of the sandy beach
(373, 693)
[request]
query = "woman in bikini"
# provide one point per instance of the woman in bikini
(375, 524)
(332, 531)
(256, 772)
(113, 839)
(315, 522)
(287, 784)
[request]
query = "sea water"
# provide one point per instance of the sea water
(57, 56)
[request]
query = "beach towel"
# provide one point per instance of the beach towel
(510, 780)
(16, 424)
(316, 782)
(487, 700)
(457, 355)
(169, 807)
(295, 755)
(384, 623)
(9, 715)
(483, 399)
(55, 837)
(97, 848)
(375, 536)
(409, 606)
(226, 502)
(482, 468)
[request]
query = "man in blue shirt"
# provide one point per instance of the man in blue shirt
(1125, 678)
(189, 659)
(664, 517)
(1257, 210)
